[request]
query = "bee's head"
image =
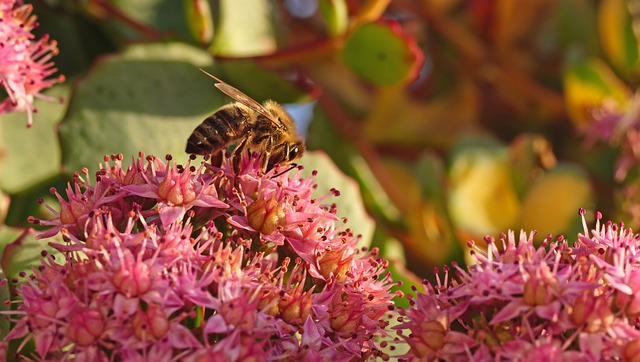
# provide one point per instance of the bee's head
(286, 153)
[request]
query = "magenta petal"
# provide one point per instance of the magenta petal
(209, 201)
(240, 222)
(181, 337)
(216, 324)
(144, 190)
(512, 310)
(44, 340)
(169, 214)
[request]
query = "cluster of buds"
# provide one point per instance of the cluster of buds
(25, 64)
(167, 262)
(558, 301)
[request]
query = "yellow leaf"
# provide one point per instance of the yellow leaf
(551, 205)
(482, 197)
(587, 85)
(618, 40)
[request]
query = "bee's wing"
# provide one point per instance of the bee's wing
(238, 96)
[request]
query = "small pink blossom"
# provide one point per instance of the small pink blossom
(25, 65)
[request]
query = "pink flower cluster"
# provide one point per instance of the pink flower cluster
(560, 301)
(24, 63)
(165, 263)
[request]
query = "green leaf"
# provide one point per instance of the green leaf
(79, 40)
(244, 28)
(587, 84)
(26, 203)
(21, 250)
(149, 98)
(31, 155)
(383, 53)
(439, 231)
(552, 202)
(616, 33)
(575, 27)
(199, 20)
(482, 198)
(163, 16)
(350, 200)
(335, 15)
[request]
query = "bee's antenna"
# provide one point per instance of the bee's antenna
(291, 167)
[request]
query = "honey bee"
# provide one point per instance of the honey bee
(266, 128)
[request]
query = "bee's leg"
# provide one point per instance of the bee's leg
(216, 158)
(236, 156)
(264, 166)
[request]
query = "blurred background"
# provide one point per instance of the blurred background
(440, 121)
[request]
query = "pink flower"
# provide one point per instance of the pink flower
(24, 63)
(202, 263)
(560, 300)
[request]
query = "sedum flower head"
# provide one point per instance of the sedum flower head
(198, 264)
(25, 63)
(561, 300)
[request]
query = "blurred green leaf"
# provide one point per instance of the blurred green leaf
(244, 28)
(199, 20)
(31, 155)
(25, 204)
(430, 174)
(349, 202)
(79, 40)
(553, 201)
(149, 98)
(575, 26)
(335, 15)
(21, 250)
(157, 15)
(616, 33)
(587, 84)
(382, 53)
(482, 198)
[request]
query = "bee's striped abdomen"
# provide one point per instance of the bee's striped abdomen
(218, 130)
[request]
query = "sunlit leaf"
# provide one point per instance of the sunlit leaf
(32, 155)
(617, 37)
(149, 98)
(588, 85)
(552, 203)
(21, 250)
(482, 197)
(383, 53)
(244, 28)
(370, 11)
(199, 20)
(335, 15)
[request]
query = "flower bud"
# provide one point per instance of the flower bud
(85, 326)
(151, 324)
